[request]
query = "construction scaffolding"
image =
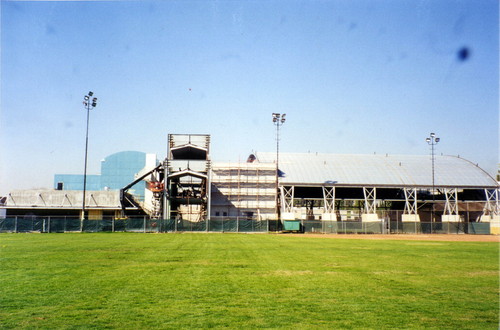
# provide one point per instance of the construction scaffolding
(244, 190)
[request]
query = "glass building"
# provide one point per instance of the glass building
(75, 182)
(117, 171)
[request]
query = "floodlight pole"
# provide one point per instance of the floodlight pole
(432, 140)
(278, 120)
(89, 104)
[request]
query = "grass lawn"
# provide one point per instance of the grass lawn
(128, 280)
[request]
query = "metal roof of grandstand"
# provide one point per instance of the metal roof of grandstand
(378, 170)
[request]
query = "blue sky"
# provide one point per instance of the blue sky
(352, 76)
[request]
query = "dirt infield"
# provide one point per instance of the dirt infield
(410, 237)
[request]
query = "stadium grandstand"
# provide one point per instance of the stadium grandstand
(312, 189)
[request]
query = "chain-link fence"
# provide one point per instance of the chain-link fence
(235, 225)
(396, 227)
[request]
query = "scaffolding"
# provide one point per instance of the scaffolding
(243, 190)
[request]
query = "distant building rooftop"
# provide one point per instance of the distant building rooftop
(378, 170)
(63, 199)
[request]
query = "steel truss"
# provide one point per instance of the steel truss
(451, 205)
(329, 199)
(410, 201)
(287, 195)
(492, 205)
(370, 194)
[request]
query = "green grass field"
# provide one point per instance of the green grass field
(127, 280)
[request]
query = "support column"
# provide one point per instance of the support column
(287, 195)
(410, 213)
(329, 203)
(450, 213)
(370, 194)
(166, 201)
(492, 206)
(491, 210)
(209, 191)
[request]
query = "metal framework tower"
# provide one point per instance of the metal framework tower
(179, 188)
(187, 175)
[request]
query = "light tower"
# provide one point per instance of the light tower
(89, 103)
(432, 140)
(278, 120)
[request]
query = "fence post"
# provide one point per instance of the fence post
(144, 224)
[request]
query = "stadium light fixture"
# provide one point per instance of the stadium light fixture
(432, 140)
(278, 120)
(89, 105)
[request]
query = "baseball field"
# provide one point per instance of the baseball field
(198, 280)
